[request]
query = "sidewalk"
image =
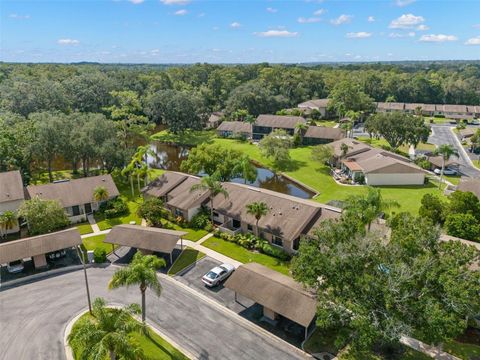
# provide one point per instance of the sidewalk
(93, 224)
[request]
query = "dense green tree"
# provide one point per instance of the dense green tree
(464, 202)
(8, 220)
(246, 169)
(276, 146)
(152, 210)
(43, 216)
(348, 96)
(323, 153)
(464, 226)
(432, 208)
(142, 271)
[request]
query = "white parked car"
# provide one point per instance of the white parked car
(15, 267)
(217, 274)
(447, 171)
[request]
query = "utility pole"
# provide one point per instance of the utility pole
(82, 259)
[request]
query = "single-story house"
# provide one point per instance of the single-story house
(163, 184)
(437, 161)
(38, 246)
(413, 108)
(288, 219)
(76, 195)
(320, 105)
(214, 120)
(390, 106)
(235, 128)
(467, 184)
(12, 195)
(146, 239)
(347, 147)
(322, 135)
(466, 133)
(265, 124)
(280, 295)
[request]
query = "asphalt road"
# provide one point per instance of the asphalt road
(33, 318)
(443, 135)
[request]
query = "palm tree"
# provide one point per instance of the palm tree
(446, 151)
(300, 129)
(100, 193)
(107, 333)
(246, 169)
(257, 209)
(141, 271)
(8, 220)
(344, 148)
(215, 188)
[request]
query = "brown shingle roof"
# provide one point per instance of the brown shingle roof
(215, 117)
(142, 237)
(328, 213)
(164, 183)
(11, 186)
(275, 291)
(314, 104)
(387, 165)
(235, 127)
(278, 121)
(288, 216)
(182, 198)
(322, 132)
(74, 192)
(354, 146)
(437, 161)
(455, 108)
(413, 106)
(37, 245)
(391, 106)
(467, 132)
(469, 184)
(429, 107)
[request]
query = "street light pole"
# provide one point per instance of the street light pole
(86, 278)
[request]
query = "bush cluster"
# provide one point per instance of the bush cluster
(99, 255)
(113, 208)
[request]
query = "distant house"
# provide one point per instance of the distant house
(322, 135)
(265, 124)
(76, 196)
(437, 161)
(469, 185)
(390, 106)
(466, 133)
(214, 120)
(235, 128)
(376, 166)
(11, 194)
(320, 105)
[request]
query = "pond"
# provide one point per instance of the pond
(170, 157)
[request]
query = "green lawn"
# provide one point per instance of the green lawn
(92, 242)
(380, 143)
(133, 205)
(186, 258)
(317, 176)
(84, 228)
(153, 345)
(243, 255)
(188, 137)
(192, 234)
(326, 123)
(476, 163)
(462, 350)
(454, 179)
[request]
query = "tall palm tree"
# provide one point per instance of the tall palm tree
(141, 271)
(258, 210)
(8, 220)
(246, 169)
(107, 334)
(100, 193)
(214, 187)
(300, 129)
(446, 151)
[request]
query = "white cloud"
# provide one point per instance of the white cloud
(181, 12)
(319, 12)
(402, 3)
(473, 41)
(407, 21)
(277, 33)
(438, 38)
(68, 42)
(309, 20)
(175, 2)
(136, 2)
(371, 19)
(342, 19)
(19, 17)
(271, 10)
(402, 35)
(235, 25)
(422, 27)
(358, 35)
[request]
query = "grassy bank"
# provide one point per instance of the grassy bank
(93, 242)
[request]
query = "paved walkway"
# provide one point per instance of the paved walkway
(96, 233)
(427, 349)
(93, 224)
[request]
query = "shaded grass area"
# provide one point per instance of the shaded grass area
(188, 137)
(84, 228)
(326, 123)
(93, 242)
(153, 345)
(317, 176)
(243, 255)
(192, 234)
(462, 350)
(186, 258)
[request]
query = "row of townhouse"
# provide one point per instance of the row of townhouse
(448, 110)
(288, 219)
(265, 124)
(75, 196)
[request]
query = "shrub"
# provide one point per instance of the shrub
(151, 210)
(464, 226)
(114, 208)
(274, 251)
(99, 255)
(245, 240)
(200, 221)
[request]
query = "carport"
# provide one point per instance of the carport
(36, 247)
(277, 293)
(145, 239)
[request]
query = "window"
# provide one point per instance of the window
(249, 227)
(76, 210)
(296, 244)
(178, 212)
(277, 241)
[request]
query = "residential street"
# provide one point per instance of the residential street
(33, 319)
(443, 135)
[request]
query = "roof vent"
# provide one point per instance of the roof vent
(7, 194)
(280, 213)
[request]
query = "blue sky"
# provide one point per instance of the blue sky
(232, 31)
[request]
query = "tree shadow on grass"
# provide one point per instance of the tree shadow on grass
(289, 165)
(189, 137)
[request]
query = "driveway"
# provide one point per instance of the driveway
(33, 319)
(444, 135)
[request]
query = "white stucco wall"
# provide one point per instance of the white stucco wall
(395, 179)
